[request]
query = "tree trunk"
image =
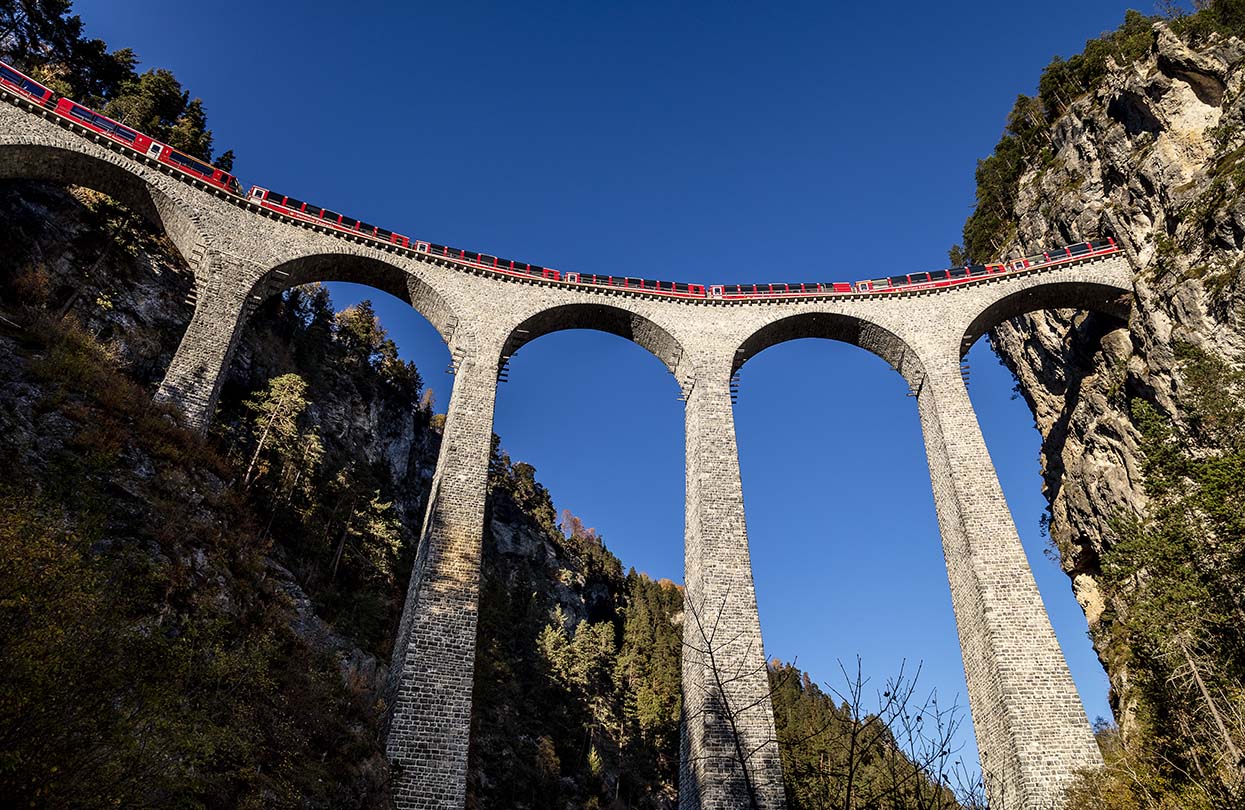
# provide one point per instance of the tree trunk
(1233, 751)
(246, 481)
(341, 544)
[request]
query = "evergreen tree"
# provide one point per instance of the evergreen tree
(189, 132)
(275, 414)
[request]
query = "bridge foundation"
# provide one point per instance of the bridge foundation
(1031, 727)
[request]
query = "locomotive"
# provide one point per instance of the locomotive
(284, 205)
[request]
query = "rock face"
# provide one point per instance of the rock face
(1153, 156)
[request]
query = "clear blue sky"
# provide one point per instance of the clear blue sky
(696, 141)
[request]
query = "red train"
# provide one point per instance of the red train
(28, 87)
(21, 84)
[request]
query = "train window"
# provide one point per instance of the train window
(519, 267)
(898, 280)
(1099, 244)
(384, 234)
(957, 272)
(313, 210)
(977, 270)
(471, 254)
(290, 202)
(648, 285)
(124, 134)
(535, 270)
(82, 114)
(431, 247)
(331, 216)
(1077, 250)
(938, 275)
(190, 163)
(919, 278)
(34, 88)
(347, 222)
(487, 259)
(679, 287)
(363, 226)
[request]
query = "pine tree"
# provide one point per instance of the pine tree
(275, 414)
(189, 132)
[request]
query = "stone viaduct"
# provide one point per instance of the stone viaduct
(1031, 728)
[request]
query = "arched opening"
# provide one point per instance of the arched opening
(65, 167)
(1107, 299)
(845, 544)
(602, 318)
(1046, 345)
(593, 425)
(832, 326)
(367, 271)
(328, 414)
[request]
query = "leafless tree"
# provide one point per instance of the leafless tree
(727, 666)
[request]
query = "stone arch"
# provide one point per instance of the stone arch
(867, 335)
(363, 269)
(602, 318)
(1106, 297)
(69, 167)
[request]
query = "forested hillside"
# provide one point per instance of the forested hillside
(1142, 137)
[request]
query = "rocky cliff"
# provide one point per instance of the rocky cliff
(1141, 138)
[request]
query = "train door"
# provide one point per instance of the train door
(153, 151)
(715, 291)
(573, 278)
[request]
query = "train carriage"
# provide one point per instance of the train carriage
(309, 212)
(19, 82)
(146, 145)
(104, 125)
(195, 167)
